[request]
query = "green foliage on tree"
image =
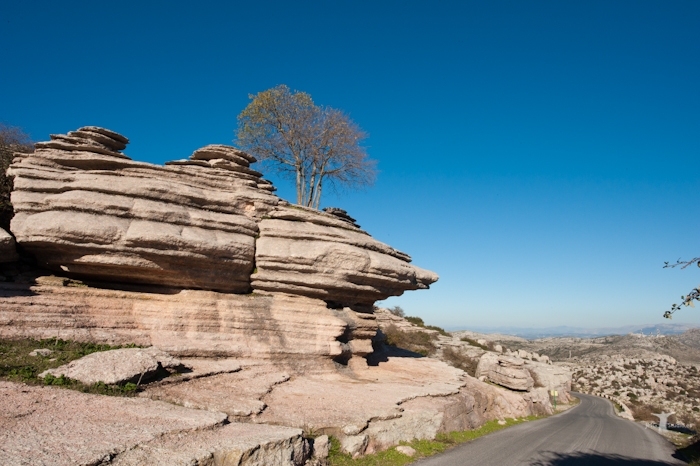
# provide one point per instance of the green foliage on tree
(12, 140)
(314, 145)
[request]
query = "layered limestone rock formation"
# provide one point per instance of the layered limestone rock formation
(85, 209)
(294, 331)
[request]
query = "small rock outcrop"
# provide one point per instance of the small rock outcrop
(511, 373)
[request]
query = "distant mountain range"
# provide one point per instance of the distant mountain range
(581, 332)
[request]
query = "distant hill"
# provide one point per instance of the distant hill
(582, 332)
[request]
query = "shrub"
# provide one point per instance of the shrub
(418, 342)
(456, 359)
(416, 321)
(397, 311)
(474, 343)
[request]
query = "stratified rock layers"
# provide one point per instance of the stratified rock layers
(85, 209)
(291, 330)
(333, 260)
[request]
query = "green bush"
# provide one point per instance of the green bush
(416, 321)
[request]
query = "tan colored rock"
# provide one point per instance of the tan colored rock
(233, 444)
(487, 362)
(406, 450)
(321, 447)
(510, 373)
(8, 253)
(551, 377)
(295, 331)
(328, 258)
(47, 425)
(236, 394)
(116, 366)
(85, 209)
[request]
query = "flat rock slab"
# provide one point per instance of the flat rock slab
(116, 366)
(236, 394)
(234, 444)
(49, 425)
(349, 401)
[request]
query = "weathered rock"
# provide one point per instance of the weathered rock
(295, 331)
(303, 253)
(116, 366)
(47, 425)
(8, 253)
(507, 371)
(41, 352)
(551, 377)
(487, 362)
(233, 444)
(406, 450)
(83, 208)
(322, 447)
(236, 394)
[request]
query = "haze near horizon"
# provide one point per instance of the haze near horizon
(540, 157)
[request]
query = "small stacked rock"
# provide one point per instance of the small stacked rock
(88, 139)
(341, 214)
(226, 158)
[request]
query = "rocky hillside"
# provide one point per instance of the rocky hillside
(644, 374)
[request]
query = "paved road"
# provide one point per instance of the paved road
(589, 434)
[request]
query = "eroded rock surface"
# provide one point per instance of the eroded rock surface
(85, 209)
(330, 259)
(294, 331)
(46, 425)
(116, 366)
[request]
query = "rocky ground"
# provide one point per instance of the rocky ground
(645, 374)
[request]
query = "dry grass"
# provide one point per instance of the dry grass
(460, 361)
(419, 342)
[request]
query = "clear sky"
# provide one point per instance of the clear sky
(541, 156)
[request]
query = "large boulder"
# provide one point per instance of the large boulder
(551, 377)
(507, 371)
(8, 253)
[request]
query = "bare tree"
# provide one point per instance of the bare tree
(688, 299)
(317, 146)
(12, 140)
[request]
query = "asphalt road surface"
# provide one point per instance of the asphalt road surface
(589, 434)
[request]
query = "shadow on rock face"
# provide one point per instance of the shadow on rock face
(386, 351)
(586, 459)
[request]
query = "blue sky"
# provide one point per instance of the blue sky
(541, 156)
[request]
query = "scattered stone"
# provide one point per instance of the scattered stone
(41, 352)
(406, 450)
(322, 447)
